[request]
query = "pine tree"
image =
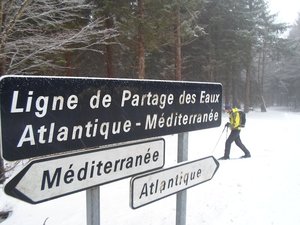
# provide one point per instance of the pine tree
(285, 80)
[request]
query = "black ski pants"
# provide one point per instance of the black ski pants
(235, 137)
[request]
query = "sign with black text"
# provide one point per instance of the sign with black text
(162, 183)
(46, 179)
(48, 115)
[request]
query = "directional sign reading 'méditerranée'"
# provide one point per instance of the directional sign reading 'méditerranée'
(48, 115)
(46, 179)
(165, 182)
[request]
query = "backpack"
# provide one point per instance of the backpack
(242, 118)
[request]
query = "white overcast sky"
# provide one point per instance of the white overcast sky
(287, 10)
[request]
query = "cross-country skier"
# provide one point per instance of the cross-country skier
(234, 124)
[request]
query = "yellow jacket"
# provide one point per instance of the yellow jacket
(234, 118)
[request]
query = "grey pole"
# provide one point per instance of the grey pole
(181, 197)
(93, 206)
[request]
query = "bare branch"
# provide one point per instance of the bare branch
(39, 32)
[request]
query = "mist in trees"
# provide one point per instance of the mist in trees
(283, 75)
(232, 42)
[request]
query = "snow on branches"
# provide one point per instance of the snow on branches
(36, 35)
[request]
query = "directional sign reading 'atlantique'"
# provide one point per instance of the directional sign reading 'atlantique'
(165, 182)
(46, 179)
(48, 115)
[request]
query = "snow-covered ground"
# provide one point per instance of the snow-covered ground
(263, 190)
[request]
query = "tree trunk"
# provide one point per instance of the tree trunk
(227, 86)
(2, 72)
(109, 59)
(258, 69)
(248, 85)
(141, 41)
(2, 61)
(263, 104)
(2, 58)
(177, 37)
(68, 64)
(109, 51)
(234, 87)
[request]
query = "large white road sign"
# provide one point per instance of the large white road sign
(45, 179)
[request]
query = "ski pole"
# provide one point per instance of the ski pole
(226, 132)
(219, 139)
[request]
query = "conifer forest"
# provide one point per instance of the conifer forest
(237, 43)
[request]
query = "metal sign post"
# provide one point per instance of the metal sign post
(93, 206)
(181, 197)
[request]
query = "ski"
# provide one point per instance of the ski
(242, 157)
